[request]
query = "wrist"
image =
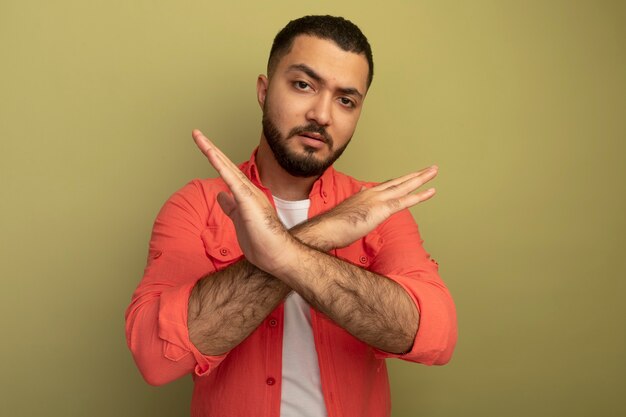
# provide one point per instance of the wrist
(278, 262)
(295, 257)
(313, 233)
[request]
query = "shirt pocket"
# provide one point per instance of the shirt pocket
(221, 246)
(174, 352)
(362, 252)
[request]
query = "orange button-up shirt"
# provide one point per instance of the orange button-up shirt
(193, 238)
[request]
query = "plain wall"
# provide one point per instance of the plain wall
(521, 104)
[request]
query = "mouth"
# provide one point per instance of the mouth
(313, 135)
(312, 140)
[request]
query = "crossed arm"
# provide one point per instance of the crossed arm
(371, 307)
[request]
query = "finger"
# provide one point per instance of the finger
(233, 167)
(399, 180)
(231, 174)
(201, 141)
(413, 199)
(226, 202)
(207, 147)
(411, 184)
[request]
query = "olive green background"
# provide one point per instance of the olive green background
(521, 103)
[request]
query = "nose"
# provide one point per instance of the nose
(321, 110)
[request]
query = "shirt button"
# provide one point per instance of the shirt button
(324, 194)
(270, 381)
(273, 322)
(363, 259)
(224, 251)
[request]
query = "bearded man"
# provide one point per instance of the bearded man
(283, 285)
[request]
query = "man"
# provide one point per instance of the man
(286, 299)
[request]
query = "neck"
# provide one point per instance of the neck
(281, 183)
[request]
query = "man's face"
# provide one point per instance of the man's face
(312, 103)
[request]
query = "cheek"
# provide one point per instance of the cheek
(346, 128)
(282, 112)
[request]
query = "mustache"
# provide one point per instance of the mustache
(313, 128)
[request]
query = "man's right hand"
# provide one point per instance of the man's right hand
(361, 213)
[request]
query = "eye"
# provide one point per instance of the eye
(301, 85)
(346, 102)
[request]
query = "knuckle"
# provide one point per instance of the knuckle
(394, 204)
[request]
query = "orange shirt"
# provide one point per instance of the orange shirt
(193, 238)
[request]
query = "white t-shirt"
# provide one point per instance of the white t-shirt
(301, 394)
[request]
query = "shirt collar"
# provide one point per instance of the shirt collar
(322, 187)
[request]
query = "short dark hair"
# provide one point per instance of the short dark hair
(341, 31)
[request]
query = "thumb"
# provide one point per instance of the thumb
(227, 203)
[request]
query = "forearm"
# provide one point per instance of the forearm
(371, 307)
(225, 307)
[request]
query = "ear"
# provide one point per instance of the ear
(261, 89)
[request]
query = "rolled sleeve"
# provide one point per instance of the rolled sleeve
(156, 319)
(403, 259)
(437, 331)
(173, 330)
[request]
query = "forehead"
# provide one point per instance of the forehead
(333, 64)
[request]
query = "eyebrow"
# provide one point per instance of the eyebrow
(311, 73)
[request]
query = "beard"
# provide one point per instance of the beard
(299, 165)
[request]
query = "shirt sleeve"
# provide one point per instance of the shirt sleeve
(156, 319)
(402, 258)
